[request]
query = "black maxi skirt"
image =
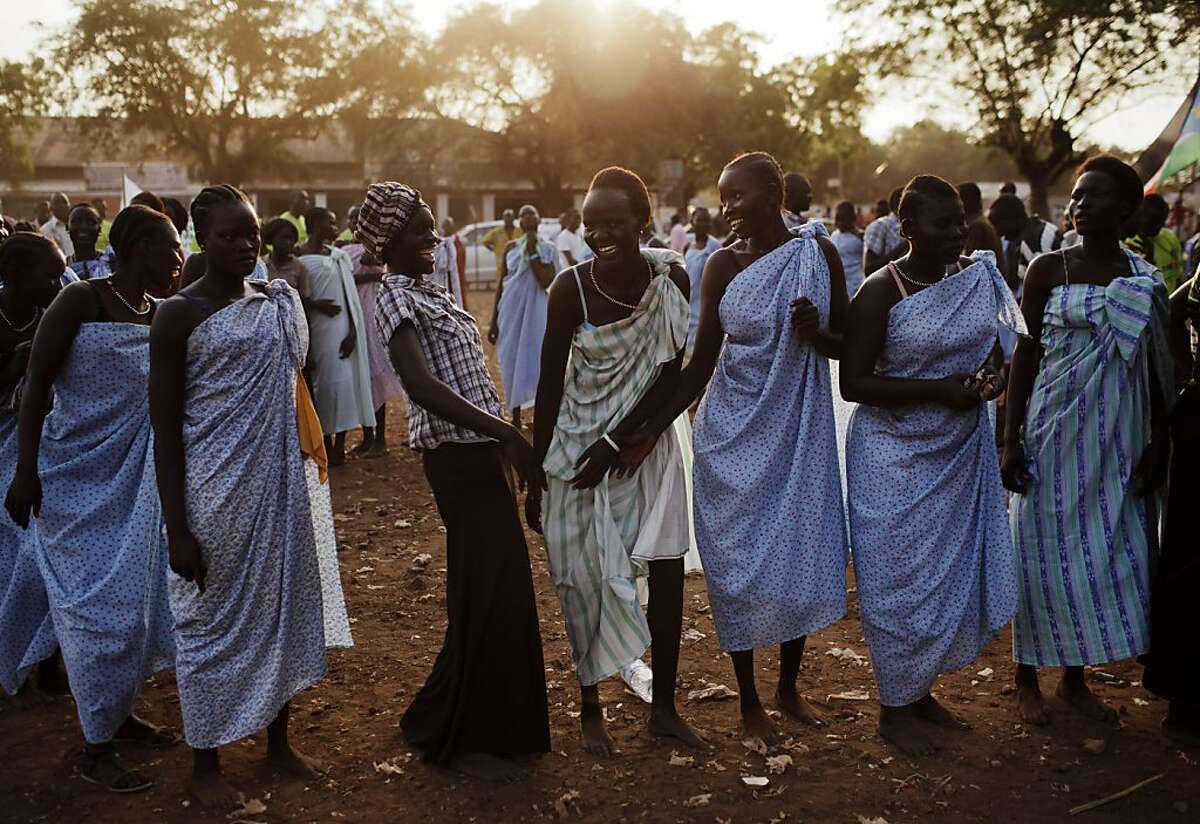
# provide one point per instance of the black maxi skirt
(1173, 663)
(487, 691)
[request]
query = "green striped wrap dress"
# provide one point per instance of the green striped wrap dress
(1085, 539)
(596, 537)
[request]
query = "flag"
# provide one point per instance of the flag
(1177, 148)
(129, 190)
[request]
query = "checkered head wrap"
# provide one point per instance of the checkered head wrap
(384, 213)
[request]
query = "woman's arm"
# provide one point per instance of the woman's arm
(720, 268)
(494, 326)
(350, 342)
(806, 319)
(1151, 472)
(361, 277)
(1043, 274)
(866, 333)
(13, 365)
(598, 458)
(542, 272)
(51, 345)
(173, 323)
(1178, 338)
(563, 315)
(427, 391)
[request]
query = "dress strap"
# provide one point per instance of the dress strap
(582, 299)
(891, 267)
(1066, 267)
(204, 305)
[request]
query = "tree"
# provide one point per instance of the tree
(826, 98)
(563, 86)
(1036, 72)
(22, 97)
(227, 83)
(570, 87)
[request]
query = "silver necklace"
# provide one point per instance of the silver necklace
(608, 297)
(138, 312)
(37, 313)
(912, 280)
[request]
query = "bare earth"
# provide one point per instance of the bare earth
(841, 772)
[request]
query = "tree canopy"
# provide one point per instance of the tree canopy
(226, 83)
(21, 99)
(1035, 73)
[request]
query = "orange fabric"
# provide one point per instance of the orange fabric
(308, 425)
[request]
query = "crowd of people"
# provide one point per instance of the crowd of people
(984, 417)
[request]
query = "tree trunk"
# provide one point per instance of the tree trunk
(1039, 200)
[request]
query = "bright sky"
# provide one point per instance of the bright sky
(792, 27)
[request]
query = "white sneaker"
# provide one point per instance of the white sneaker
(639, 678)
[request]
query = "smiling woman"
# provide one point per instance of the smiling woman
(484, 703)
(771, 312)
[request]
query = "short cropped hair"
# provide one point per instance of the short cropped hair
(1129, 183)
(764, 166)
(922, 190)
(623, 180)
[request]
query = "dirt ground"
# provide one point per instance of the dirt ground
(840, 772)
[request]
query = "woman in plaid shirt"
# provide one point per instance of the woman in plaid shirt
(484, 704)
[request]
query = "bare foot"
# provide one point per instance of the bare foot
(929, 709)
(292, 761)
(486, 767)
(1030, 704)
(144, 734)
(756, 724)
(106, 768)
(1076, 693)
(900, 726)
(596, 740)
(668, 724)
(214, 792)
(377, 450)
(796, 706)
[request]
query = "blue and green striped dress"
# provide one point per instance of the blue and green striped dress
(594, 537)
(1085, 540)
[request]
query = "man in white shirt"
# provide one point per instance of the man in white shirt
(56, 227)
(570, 243)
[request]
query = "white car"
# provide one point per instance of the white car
(481, 262)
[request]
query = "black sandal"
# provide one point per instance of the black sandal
(158, 738)
(127, 779)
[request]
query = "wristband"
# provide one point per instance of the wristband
(611, 443)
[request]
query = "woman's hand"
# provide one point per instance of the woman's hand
(635, 449)
(187, 558)
(988, 383)
(349, 343)
(595, 461)
(493, 331)
(957, 392)
(806, 319)
(24, 497)
(533, 509)
(524, 461)
(1014, 471)
(328, 308)
(1151, 471)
